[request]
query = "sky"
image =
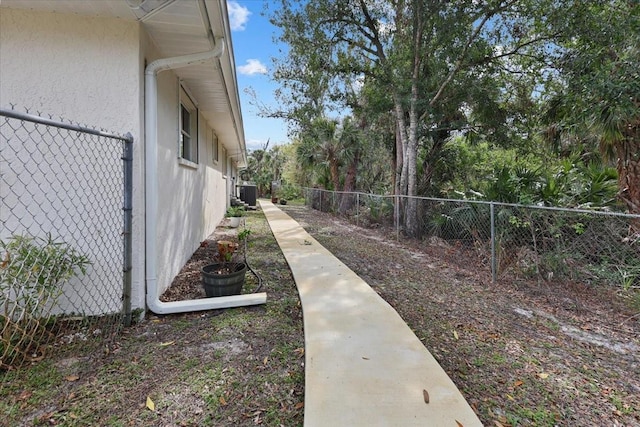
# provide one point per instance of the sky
(253, 46)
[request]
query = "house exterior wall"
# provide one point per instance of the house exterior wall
(91, 70)
(193, 196)
(81, 68)
(87, 70)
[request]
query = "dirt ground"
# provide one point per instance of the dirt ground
(522, 353)
(232, 367)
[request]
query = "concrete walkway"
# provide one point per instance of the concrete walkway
(363, 365)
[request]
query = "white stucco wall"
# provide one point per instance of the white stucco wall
(192, 198)
(81, 68)
(87, 70)
(91, 70)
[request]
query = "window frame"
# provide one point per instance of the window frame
(187, 152)
(224, 162)
(215, 147)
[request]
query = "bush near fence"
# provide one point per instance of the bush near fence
(65, 241)
(595, 247)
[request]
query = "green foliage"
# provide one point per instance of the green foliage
(568, 185)
(39, 264)
(378, 210)
(235, 211)
(32, 275)
(479, 171)
(244, 235)
(452, 98)
(290, 192)
(467, 222)
(595, 101)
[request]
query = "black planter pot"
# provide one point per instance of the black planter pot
(222, 285)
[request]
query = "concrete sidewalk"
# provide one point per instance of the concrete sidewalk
(363, 365)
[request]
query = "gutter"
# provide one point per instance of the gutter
(151, 193)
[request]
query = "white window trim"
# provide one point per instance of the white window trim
(187, 102)
(225, 166)
(187, 163)
(215, 147)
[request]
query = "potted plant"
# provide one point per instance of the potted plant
(234, 213)
(226, 277)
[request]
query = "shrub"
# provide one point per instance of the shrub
(32, 275)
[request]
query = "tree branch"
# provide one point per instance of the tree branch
(463, 54)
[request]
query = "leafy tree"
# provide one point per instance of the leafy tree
(597, 90)
(264, 166)
(423, 55)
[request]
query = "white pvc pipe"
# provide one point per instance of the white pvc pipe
(151, 193)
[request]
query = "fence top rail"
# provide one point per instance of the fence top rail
(59, 124)
(351, 192)
(484, 202)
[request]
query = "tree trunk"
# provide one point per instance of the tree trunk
(347, 200)
(334, 170)
(397, 162)
(402, 134)
(628, 166)
(412, 226)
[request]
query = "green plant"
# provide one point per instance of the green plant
(290, 192)
(32, 275)
(235, 211)
(244, 235)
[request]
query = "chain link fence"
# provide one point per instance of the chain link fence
(65, 242)
(595, 247)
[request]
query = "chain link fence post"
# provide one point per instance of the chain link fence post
(396, 208)
(127, 229)
(494, 273)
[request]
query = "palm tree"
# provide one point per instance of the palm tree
(599, 95)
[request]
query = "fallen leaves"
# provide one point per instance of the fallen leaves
(150, 405)
(25, 395)
(501, 422)
(543, 375)
(72, 378)
(425, 395)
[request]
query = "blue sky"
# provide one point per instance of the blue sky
(253, 48)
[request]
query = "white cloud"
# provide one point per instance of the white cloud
(253, 66)
(238, 16)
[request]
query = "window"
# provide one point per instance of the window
(188, 149)
(224, 161)
(214, 146)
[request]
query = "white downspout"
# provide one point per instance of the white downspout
(151, 193)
